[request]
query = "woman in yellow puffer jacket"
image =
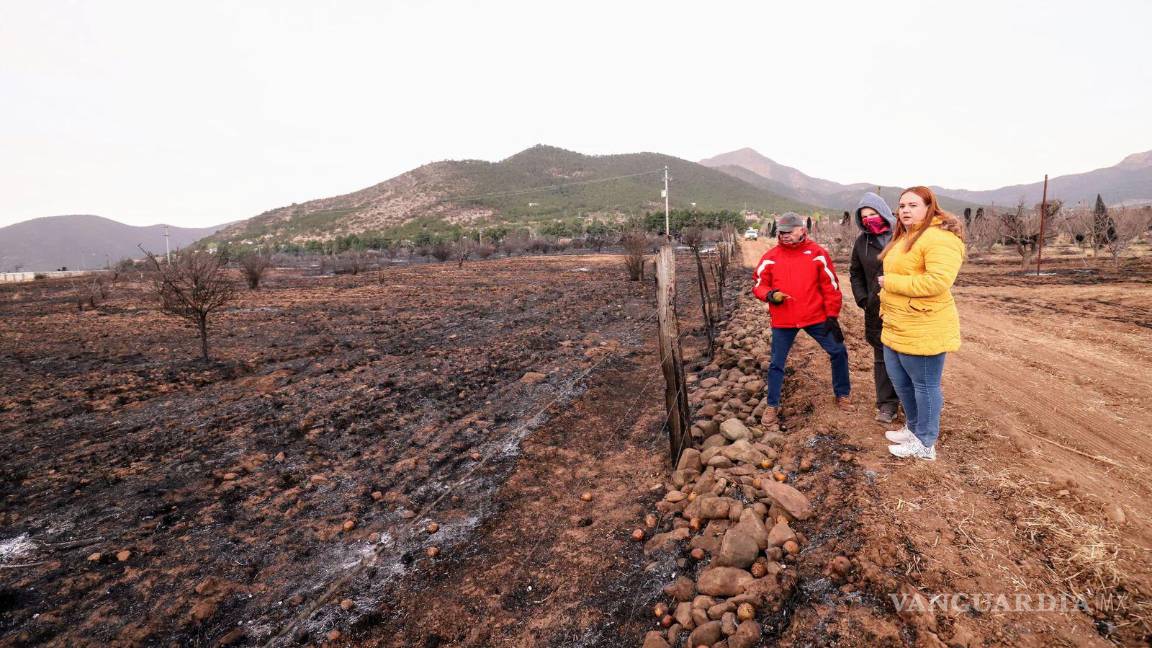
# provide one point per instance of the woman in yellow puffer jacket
(920, 321)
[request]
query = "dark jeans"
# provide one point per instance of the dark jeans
(782, 340)
(917, 380)
(886, 398)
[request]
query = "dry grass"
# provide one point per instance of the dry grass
(1082, 551)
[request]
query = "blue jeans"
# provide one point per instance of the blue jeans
(782, 340)
(917, 382)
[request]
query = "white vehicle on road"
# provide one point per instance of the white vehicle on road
(751, 234)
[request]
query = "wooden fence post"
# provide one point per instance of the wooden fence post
(671, 358)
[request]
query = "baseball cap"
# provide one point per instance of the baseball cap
(789, 221)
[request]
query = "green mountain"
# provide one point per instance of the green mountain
(538, 185)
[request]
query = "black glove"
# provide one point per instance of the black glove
(832, 325)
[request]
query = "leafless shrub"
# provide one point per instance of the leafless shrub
(254, 265)
(94, 289)
(596, 241)
(514, 245)
(1129, 225)
(441, 251)
(836, 235)
(983, 231)
(540, 246)
(462, 250)
(636, 245)
(692, 237)
(192, 287)
(351, 263)
(484, 250)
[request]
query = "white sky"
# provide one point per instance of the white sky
(196, 113)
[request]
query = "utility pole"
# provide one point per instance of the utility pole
(667, 220)
(1043, 213)
(167, 249)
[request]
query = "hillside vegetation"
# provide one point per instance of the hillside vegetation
(535, 187)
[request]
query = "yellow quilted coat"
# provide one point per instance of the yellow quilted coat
(916, 304)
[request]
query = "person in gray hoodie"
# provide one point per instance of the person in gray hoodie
(876, 222)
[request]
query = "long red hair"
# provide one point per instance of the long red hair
(948, 222)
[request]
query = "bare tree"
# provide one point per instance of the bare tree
(463, 250)
(635, 244)
(1127, 226)
(193, 286)
(837, 237)
(95, 289)
(254, 265)
(1020, 228)
(693, 237)
(983, 231)
(727, 248)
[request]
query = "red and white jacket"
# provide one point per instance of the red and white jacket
(806, 274)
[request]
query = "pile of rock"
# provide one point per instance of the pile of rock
(727, 508)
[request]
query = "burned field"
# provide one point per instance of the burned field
(163, 500)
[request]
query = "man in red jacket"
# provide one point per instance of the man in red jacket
(799, 282)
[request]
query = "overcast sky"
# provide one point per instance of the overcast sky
(196, 113)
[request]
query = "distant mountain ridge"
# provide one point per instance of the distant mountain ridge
(536, 185)
(84, 242)
(1128, 181)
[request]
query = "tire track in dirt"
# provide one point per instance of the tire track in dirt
(1014, 372)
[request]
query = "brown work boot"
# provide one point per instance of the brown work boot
(885, 416)
(845, 403)
(768, 418)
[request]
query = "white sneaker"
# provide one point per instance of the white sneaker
(901, 436)
(914, 449)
